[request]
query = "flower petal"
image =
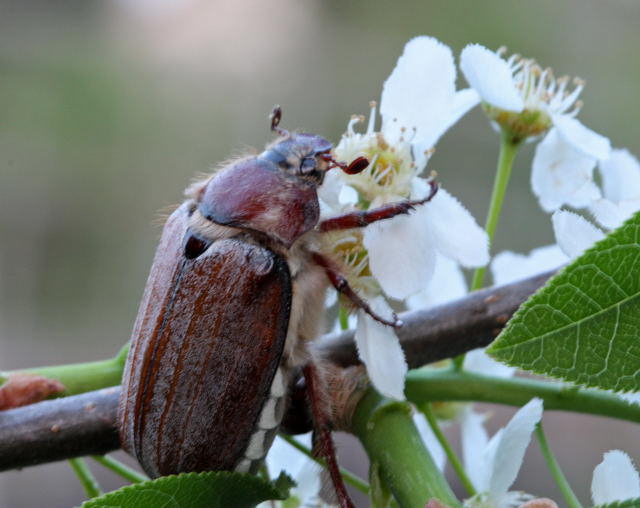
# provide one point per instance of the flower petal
(562, 174)
(512, 445)
(419, 93)
(574, 234)
(491, 77)
(308, 483)
(430, 440)
(447, 284)
(284, 457)
(306, 472)
(620, 176)
(426, 139)
(582, 138)
(380, 351)
(614, 479)
(401, 256)
(478, 361)
(510, 266)
(454, 231)
(329, 193)
(474, 443)
(463, 101)
(611, 215)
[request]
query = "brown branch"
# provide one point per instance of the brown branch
(59, 429)
(85, 424)
(448, 330)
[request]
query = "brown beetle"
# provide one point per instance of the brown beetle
(235, 293)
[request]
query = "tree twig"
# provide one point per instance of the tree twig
(59, 429)
(85, 424)
(448, 330)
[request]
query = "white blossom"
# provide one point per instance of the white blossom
(480, 362)
(620, 189)
(305, 472)
(420, 95)
(403, 250)
(615, 479)
(528, 101)
(621, 199)
(380, 351)
(430, 440)
(493, 464)
(574, 233)
(510, 266)
(397, 257)
(562, 174)
(449, 413)
(447, 284)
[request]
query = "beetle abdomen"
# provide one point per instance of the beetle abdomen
(204, 358)
(267, 426)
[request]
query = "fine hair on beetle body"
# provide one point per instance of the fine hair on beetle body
(235, 294)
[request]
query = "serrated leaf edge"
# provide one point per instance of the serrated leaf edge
(627, 503)
(494, 351)
(281, 485)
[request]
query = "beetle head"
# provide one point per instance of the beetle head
(305, 155)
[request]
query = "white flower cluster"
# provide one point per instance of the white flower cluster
(400, 257)
(416, 259)
(519, 95)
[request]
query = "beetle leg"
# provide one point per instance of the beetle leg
(323, 442)
(362, 218)
(341, 285)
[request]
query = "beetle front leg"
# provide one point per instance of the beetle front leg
(362, 218)
(341, 285)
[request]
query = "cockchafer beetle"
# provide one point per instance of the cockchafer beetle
(234, 296)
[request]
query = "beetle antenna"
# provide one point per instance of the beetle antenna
(356, 166)
(275, 117)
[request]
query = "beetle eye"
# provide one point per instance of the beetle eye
(308, 165)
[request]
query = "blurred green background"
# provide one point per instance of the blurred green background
(108, 109)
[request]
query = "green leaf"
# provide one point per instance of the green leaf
(584, 325)
(629, 503)
(218, 489)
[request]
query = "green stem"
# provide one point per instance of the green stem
(120, 469)
(508, 151)
(349, 477)
(391, 440)
(83, 377)
(428, 385)
(446, 446)
(556, 472)
(343, 317)
(89, 482)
